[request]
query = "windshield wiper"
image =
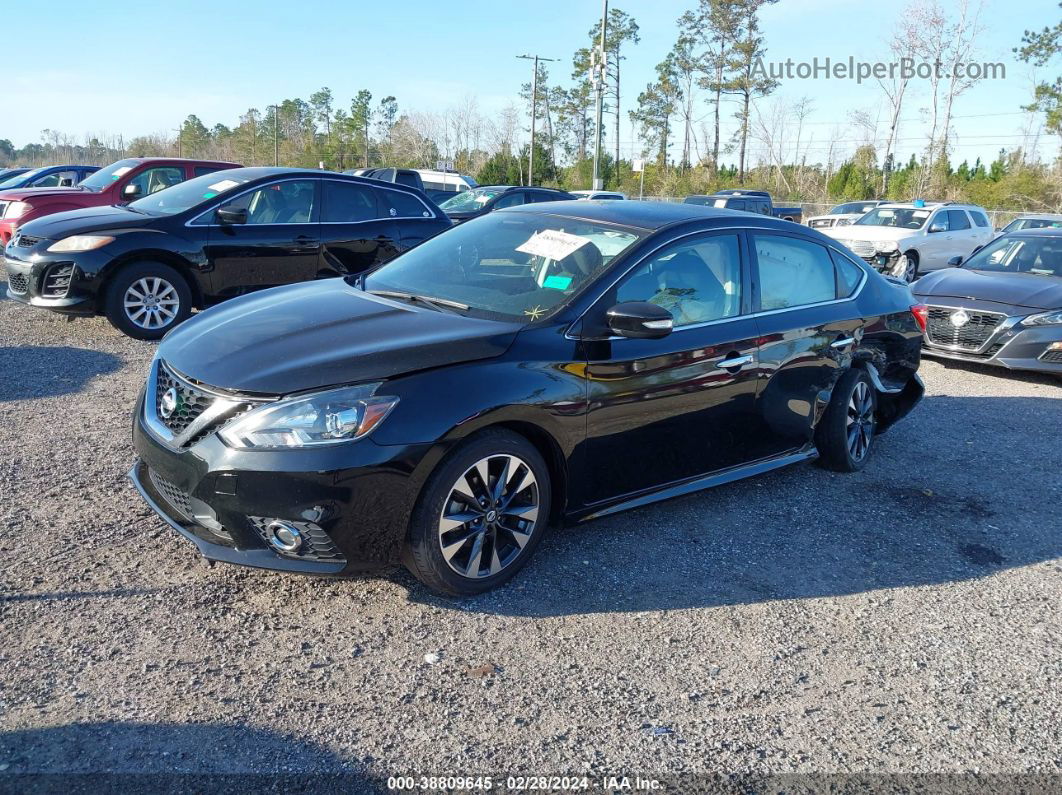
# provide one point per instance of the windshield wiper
(438, 304)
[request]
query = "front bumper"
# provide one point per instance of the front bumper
(354, 500)
(60, 282)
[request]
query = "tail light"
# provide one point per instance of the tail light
(921, 315)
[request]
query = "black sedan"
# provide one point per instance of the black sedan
(145, 265)
(480, 201)
(555, 362)
(1003, 306)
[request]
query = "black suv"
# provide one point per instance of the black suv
(480, 201)
(147, 264)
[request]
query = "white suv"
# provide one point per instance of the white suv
(911, 238)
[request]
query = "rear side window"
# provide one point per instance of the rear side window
(736, 204)
(848, 274)
(202, 171)
(511, 200)
(793, 272)
(408, 179)
(403, 205)
(957, 220)
(347, 202)
(979, 218)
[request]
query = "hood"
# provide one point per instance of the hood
(867, 232)
(21, 194)
(323, 333)
(83, 221)
(1014, 289)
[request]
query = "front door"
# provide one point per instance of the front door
(671, 409)
(278, 244)
(357, 230)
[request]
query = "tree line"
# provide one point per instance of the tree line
(708, 119)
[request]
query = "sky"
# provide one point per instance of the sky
(118, 68)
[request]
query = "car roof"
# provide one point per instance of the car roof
(1044, 231)
(931, 206)
(649, 215)
(252, 173)
(1034, 216)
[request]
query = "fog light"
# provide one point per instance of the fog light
(284, 536)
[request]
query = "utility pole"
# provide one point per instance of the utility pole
(276, 138)
(534, 113)
(598, 66)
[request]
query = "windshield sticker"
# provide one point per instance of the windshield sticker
(120, 172)
(552, 244)
(209, 195)
(483, 199)
(557, 282)
(225, 184)
(886, 214)
(920, 214)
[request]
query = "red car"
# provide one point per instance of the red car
(117, 183)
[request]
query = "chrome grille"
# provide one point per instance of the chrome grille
(817, 223)
(174, 496)
(18, 282)
(970, 336)
(190, 401)
(1051, 356)
(26, 241)
(863, 248)
(316, 542)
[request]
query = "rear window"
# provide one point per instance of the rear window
(348, 202)
(979, 218)
(404, 205)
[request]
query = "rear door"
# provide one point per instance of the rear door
(358, 230)
(672, 409)
(964, 233)
(279, 244)
(809, 325)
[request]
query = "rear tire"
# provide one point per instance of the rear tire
(144, 300)
(845, 434)
(464, 546)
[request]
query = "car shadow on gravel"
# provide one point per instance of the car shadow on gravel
(71, 596)
(31, 372)
(1020, 376)
(966, 489)
(149, 757)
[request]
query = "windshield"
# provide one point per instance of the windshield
(471, 199)
(853, 207)
(191, 193)
(18, 179)
(1039, 255)
(1019, 223)
(108, 174)
(895, 216)
(506, 266)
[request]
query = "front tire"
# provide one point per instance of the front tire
(480, 515)
(146, 299)
(907, 267)
(846, 431)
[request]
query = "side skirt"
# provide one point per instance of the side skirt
(699, 484)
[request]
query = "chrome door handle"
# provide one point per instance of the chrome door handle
(737, 361)
(843, 343)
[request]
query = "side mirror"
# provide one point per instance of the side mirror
(954, 262)
(130, 191)
(231, 216)
(66, 182)
(938, 227)
(640, 320)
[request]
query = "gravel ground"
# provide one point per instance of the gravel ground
(902, 620)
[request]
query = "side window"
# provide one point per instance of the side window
(695, 281)
(155, 179)
(736, 204)
(793, 272)
(939, 222)
(957, 220)
(347, 202)
(403, 205)
(512, 200)
(49, 181)
(979, 218)
(290, 202)
(848, 274)
(202, 171)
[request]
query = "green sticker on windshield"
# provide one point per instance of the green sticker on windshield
(209, 195)
(558, 282)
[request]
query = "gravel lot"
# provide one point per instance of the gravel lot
(905, 619)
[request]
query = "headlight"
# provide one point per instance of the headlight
(1052, 318)
(81, 243)
(887, 247)
(332, 417)
(16, 210)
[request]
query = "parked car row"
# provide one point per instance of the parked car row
(751, 201)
